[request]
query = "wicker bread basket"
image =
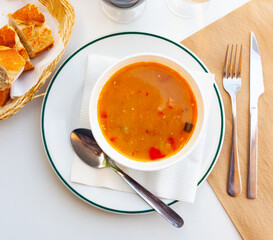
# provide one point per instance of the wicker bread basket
(63, 11)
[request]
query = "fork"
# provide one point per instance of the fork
(232, 84)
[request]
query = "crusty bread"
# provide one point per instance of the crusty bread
(4, 97)
(11, 66)
(29, 23)
(9, 38)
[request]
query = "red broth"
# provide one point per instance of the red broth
(147, 111)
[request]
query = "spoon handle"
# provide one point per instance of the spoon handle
(163, 209)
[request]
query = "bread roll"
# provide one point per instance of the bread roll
(29, 23)
(11, 66)
(9, 38)
(4, 97)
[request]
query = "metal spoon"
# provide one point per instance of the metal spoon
(89, 151)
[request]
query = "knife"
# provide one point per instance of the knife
(256, 89)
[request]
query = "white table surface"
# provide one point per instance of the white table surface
(34, 204)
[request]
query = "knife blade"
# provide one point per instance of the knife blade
(256, 89)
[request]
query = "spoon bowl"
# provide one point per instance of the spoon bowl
(87, 148)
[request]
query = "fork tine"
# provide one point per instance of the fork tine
(240, 62)
(225, 63)
(234, 70)
(230, 61)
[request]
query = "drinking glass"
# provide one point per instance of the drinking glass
(123, 11)
(188, 8)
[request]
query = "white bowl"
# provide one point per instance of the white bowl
(115, 155)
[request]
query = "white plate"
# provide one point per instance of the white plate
(61, 107)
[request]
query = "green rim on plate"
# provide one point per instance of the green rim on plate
(51, 84)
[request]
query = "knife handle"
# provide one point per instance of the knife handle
(234, 178)
(253, 158)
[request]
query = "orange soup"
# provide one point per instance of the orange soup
(147, 111)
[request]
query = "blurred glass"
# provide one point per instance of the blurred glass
(188, 8)
(123, 11)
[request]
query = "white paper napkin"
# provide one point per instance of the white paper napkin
(29, 78)
(177, 182)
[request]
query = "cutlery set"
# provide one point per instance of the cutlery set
(232, 84)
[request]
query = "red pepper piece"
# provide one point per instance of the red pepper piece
(113, 139)
(103, 115)
(155, 154)
(171, 141)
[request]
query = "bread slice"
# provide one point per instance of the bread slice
(29, 23)
(9, 38)
(11, 66)
(4, 97)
